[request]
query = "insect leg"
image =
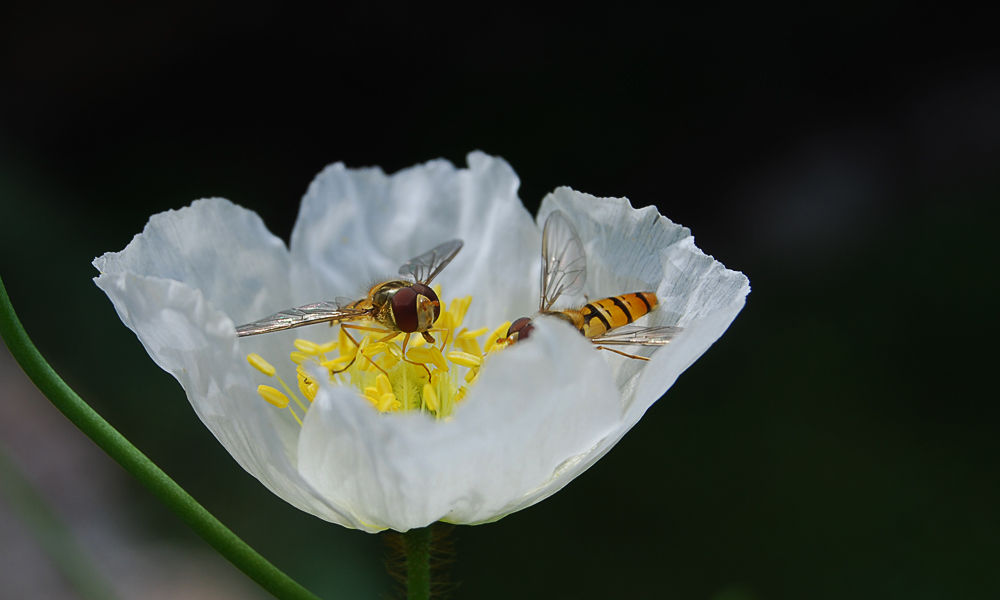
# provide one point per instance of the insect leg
(622, 353)
(361, 328)
(406, 340)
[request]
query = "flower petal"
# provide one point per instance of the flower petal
(535, 407)
(357, 225)
(214, 246)
(632, 250)
(196, 343)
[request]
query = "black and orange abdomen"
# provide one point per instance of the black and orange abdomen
(601, 316)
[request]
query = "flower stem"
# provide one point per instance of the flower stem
(135, 462)
(417, 545)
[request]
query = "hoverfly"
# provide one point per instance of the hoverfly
(406, 305)
(605, 322)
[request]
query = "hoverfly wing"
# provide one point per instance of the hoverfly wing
(632, 335)
(564, 264)
(424, 268)
(301, 316)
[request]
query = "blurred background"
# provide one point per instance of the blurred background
(839, 441)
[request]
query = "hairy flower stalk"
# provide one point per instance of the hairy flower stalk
(357, 431)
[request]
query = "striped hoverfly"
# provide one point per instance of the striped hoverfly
(605, 322)
(406, 305)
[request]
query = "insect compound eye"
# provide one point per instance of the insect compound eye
(404, 309)
(520, 329)
(427, 291)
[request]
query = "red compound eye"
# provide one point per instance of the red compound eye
(404, 309)
(522, 328)
(428, 292)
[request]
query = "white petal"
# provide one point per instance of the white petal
(358, 225)
(214, 246)
(632, 250)
(196, 343)
(535, 407)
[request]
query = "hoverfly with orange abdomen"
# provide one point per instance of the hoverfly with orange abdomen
(606, 322)
(399, 305)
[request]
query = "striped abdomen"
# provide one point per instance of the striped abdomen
(601, 316)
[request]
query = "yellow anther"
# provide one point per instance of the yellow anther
(445, 321)
(460, 394)
(383, 385)
(344, 344)
(430, 397)
(430, 354)
(298, 357)
(458, 308)
(257, 361)
(418, 341)
(328, 347)
(385, 401)
(373, 349)
(471, 376)
(468, 335)
(273, 396)
(465, 359)
(337, 362)
(372, 391)
(394, 351)
(307, 347)
(469, 345)
(307, 386)
(498, 334)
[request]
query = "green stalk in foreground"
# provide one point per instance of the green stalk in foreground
(128, 456)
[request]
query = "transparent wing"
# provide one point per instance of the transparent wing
(632, 335)
(301, 316)
(424, 268)
(564, 265)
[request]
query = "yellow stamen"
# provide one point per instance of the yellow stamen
(336, 362)
(465, 359)
(498, 334)
(469, 345)
(257, 361)
(373, 349)
(428, 355)
(468, 335)
(307, 347)
(345, 345)
(386, 402)
(298, 357)
(273, 396)
(383, 385)
(430, 397)
(471, 376)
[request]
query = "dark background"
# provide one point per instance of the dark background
(839, 441)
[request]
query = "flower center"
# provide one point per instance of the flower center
(428, 377)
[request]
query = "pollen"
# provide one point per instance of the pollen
(393, 372)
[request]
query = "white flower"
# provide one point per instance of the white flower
(540, 413)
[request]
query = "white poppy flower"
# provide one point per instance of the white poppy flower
(539, 413)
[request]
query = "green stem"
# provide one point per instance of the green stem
(417, 545)
(128, 456)
(51, 533)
